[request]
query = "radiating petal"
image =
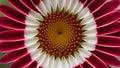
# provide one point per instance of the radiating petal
(112, 28)
(108, 19)
(88, 2)
(107, 58)
(115, 51)
(108, 41)
(86, 65)
(96, 62)
(95, 5)
(13, 56)
(117, 34)
(29, 5)
(3, 29)
(106, 8)
(22, 62)
(12, 14)
(12, 35)
(33, 65)
(8, 23)
(11, 46)
(19, 6)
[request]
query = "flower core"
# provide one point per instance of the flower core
(60, 34)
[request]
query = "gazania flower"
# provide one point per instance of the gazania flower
(60, 33)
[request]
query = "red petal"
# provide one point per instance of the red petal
(11, 46)
(86, 65)
(13, 56)
(96, 62)
(19, 6)
(108, 41)
(107, 58)
(8, 23)
(106, 8)
(33, 65)
(29, 4)
(12, 14)
(36, 2)
(114, 27)
(88, 2)
(116, 34)
(109, 50)
(96, 4)
(3, 29)
(22, 62)
(12, 35)
(108, 19)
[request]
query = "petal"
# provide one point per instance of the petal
(117, 34)
(83, 1)
(88, 2)
(12, 56)
(110, 50)
(106, 8)
(3, 29)
(107, 58)
(95, 5)
(33, 65)
(12, 35)
(19, 6)
(36, 2)
(8, 23)
(11, 46)
(12, 14)
(114, 27)
(108, 41)
(96, 62)
(86, 65)
(22, 62)
(29, 5)
(108, 19)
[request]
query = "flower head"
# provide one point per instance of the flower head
(60, 33)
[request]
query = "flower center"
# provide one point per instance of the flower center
(60, 34)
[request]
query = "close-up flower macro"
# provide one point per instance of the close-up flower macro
(60, 33)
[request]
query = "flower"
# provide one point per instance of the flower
(60, 33)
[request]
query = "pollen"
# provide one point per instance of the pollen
(60, 34)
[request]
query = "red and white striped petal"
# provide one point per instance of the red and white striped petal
(10, 24)
(108, 41)
(109, 29)
(13, 56)
(107, 8)
(12, 35)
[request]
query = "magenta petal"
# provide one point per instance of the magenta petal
(86, 65)
(12, 56)
(19, 6)
(11, 46)
(108, 19)
(106, 8)
(110, 50)
(96, 62)
(36, 2)
(33, 65)
(108, 41)
(95, 5)
(117, 34)
(107, 58)
(88, 2)
(22, 62)
(29, 4)
(3, 29)
(8, 23)
(12, 14)
(12, 35)
(83, 1)
(114, 27)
